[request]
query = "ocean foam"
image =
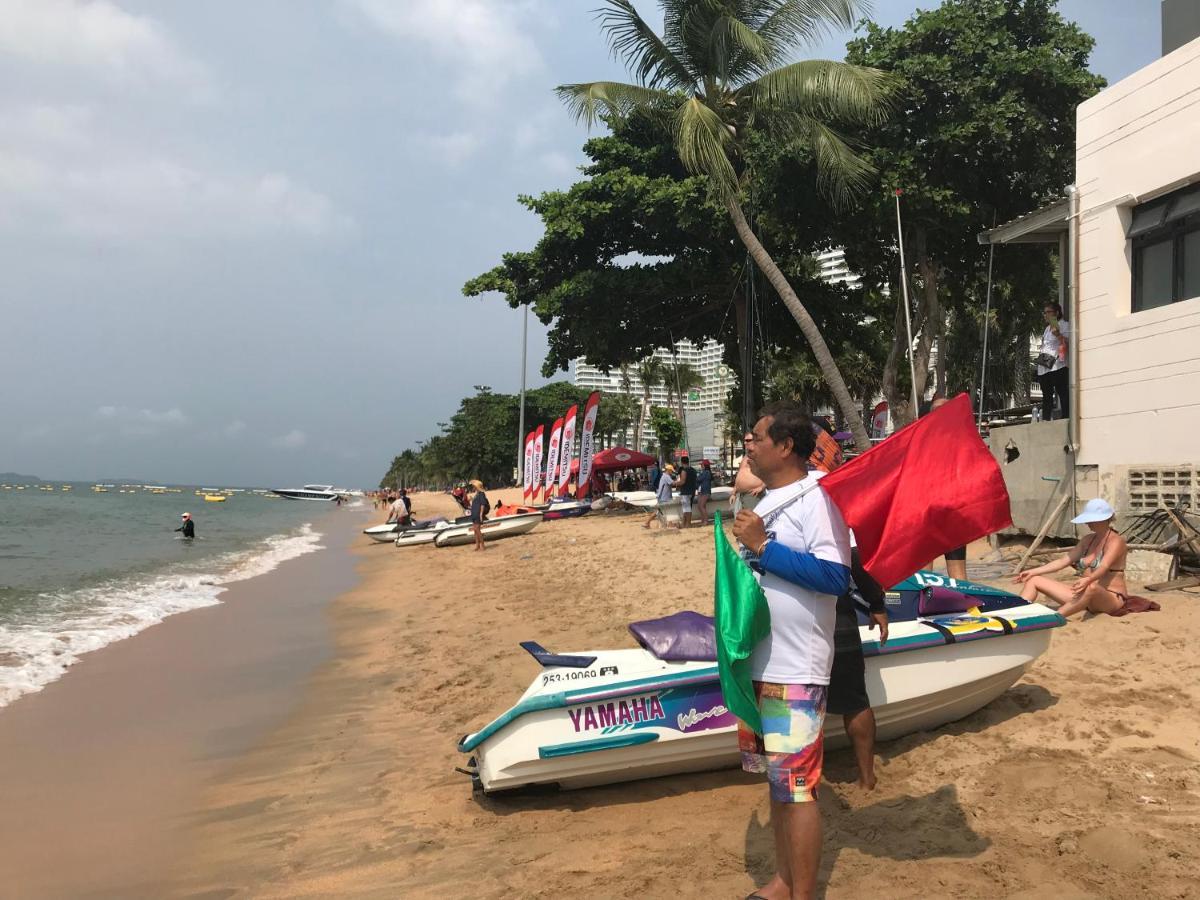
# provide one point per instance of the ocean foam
(36, 653)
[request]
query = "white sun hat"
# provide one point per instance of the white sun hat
(1097, 510)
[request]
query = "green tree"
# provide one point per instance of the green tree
(649, 374)
(720, 72)
(637, 256)
(668, 430)
(984, 132)
(617, 414)
(679, 378)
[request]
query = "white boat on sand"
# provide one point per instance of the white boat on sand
(493, 529)
(605, 716)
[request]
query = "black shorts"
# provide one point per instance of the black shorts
(848, 677)
(960, 553)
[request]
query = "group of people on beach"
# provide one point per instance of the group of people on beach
(695, 488)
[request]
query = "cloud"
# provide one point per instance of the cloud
(485, 43)
(557, 163)
(61, 172)
(293, 440)
(234, 428)
(129, 422)
(100, 38)
(449, 149)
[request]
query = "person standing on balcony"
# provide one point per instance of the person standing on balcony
(1052, 371)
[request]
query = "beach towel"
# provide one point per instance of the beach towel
(742, 620)
(1134, 604)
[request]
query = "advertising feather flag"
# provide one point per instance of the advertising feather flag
(587, 445)
(527, 482)
(552, 457)
(568, 448)
(537, 461)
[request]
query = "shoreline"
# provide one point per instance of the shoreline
(1081, 781)
(102, 763)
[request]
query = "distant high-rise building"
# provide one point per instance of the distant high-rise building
(707, 360)
(833, 268)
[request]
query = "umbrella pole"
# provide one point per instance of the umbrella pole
(987, 321)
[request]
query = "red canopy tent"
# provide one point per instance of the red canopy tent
(614, 459)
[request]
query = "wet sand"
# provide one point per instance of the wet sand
(1081, 781)
(103, 767)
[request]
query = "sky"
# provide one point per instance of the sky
(233, 235)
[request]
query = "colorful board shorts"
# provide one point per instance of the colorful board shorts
(791, 749)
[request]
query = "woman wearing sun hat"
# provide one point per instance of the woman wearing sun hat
(480, 507)
(1099, 563)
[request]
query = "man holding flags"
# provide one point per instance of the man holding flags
(798, 544)
(929, 487)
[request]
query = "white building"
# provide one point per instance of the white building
(1131, 231)
(703, 406)
(832, 268)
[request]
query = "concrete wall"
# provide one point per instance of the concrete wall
(1180, 23)
(1139, 373)
(1042, 456)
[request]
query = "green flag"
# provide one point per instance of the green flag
(742, 620)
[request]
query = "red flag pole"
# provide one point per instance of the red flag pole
(912, 366)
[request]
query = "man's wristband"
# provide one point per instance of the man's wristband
(762, 547)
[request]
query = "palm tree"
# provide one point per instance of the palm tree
(721, 69)
(680, 378)
(650, 373)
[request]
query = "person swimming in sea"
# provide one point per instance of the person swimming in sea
(187, 526)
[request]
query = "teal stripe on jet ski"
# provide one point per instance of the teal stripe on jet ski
(585, 695)
(608, 743)
(936, 639)
(532, 704)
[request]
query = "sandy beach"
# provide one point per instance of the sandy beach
(103, 767)
(1081, 781)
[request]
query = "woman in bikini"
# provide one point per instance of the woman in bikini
(1098, 560)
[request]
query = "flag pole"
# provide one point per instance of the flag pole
(912, 366)
(987, 315)
(521, 426)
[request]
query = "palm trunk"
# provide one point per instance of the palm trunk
(808, 327)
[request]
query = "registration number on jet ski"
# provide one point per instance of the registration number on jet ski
(577, 674)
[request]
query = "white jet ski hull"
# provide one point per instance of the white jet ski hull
(494, 529)
(630, 715)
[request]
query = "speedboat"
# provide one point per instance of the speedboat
(308, 492)
(493, 529)
(605, 716)
(567, 508)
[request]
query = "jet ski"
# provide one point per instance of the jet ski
(603, 716)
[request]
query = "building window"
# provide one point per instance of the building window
(1166, 249)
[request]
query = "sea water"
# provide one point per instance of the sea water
(81, 569)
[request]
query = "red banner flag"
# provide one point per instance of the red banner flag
(552, 458)
(928, 488)
(568, 448)
(527, 483)
(587, 445)
(538, 436)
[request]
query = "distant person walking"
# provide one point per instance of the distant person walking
(187, 526)
(663, 490)
(480, 507)
(704, 489)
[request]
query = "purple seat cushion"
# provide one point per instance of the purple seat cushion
(941, 601)
(683, 636)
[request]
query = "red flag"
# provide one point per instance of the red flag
(928, 488)
(586, 445)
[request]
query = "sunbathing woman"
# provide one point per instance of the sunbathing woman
(1099, 561)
